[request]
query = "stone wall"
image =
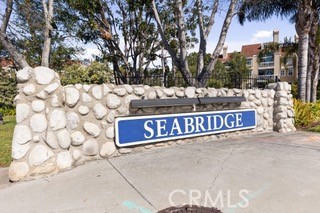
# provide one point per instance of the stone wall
(61, 127)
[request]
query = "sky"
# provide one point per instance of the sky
(251, 32)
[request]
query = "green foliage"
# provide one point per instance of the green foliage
(61, 55)
(224, 75)
(26, 27)
(8, 89)
(268, 50)
(192, 62)
(6, 133)
(294, 89)
(289, 47)
(238, 65)
(315, 129)
(104, 22)
(306, 114)
(220, 77)
(168, 15)
(95, 73)
(237, 70)
(253, 10)
(7, 111)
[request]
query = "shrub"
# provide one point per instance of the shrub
(306, 114)
(95, 73)
(315, 129)
(294, 89)
(8, 88)
(7, 111)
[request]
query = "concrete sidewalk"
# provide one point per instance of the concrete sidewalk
(264, 173)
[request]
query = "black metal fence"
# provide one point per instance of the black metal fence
(227, 81)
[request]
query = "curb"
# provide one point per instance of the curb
(4, 177)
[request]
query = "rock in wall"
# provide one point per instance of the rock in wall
(59, 127)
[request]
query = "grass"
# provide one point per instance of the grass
(315, 129)
(6, 133)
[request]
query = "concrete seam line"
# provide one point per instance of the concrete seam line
(132, 185)
(294, 146)
(220, 171)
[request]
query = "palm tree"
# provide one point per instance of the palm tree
(302, 13)
(314, 57)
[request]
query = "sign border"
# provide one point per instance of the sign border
(133, 117)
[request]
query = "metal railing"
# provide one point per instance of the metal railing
(268, 77)
(266, 64)
(215, 81)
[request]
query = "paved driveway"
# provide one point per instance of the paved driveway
(259, 173)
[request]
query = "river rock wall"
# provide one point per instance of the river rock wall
(59, 127)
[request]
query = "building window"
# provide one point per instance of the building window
(290, 71)
(267, 60)
(283, 72)
(249, 62)
(266, 72)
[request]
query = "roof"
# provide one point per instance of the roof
(250, 50)
(5, 62)
(223, 60)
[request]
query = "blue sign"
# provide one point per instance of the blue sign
(155, 128)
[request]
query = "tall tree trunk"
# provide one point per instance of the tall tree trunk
(134, 70)
(16, 56)
(302, 65)
(184, 67)
(315, 46)
(13, 52)
(163, 63)
(7, 15)
(206, 73)
(119, 77)
(48, 14)
(315, 76)
(309, 80)
(141, 63)
(204, 33)
(203, 39)
(181, 62)
(303, 26)
(113, 46)
(313, 70)
(175, 81)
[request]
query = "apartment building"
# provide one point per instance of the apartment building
(268, 66)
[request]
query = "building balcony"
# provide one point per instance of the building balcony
(268, 78)
(266, 64)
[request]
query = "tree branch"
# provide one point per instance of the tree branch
(163, 37)
(6, 16)
(211, 19)
(48, 14)
(16, 56)
(203, 41)
(207, 72)
(182, 35)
